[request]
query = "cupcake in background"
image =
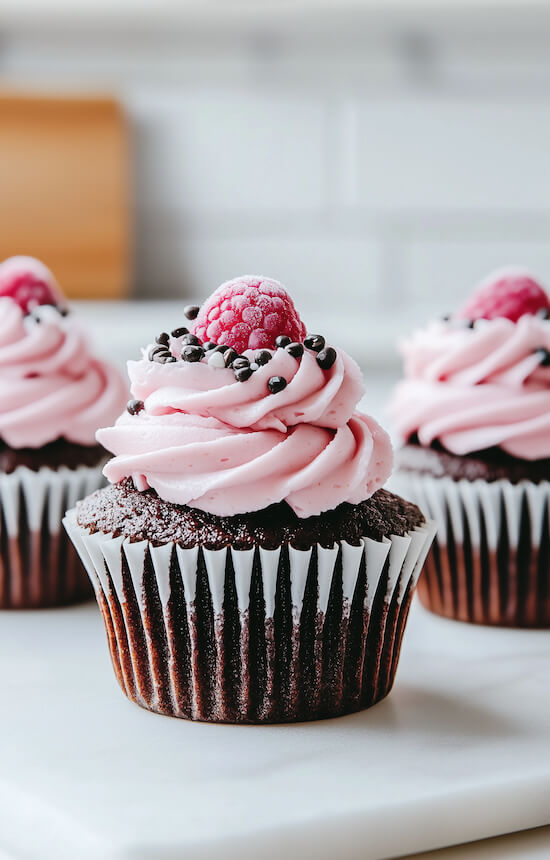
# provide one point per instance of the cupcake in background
(247, 563)
(474, 414)
(55, 394)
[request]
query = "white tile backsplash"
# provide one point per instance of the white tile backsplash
(382, 172)
(442, 273)
(453, 153)
(228, 152)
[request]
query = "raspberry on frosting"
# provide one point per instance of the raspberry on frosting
(29, 283)
(510, 293)
(249, 313)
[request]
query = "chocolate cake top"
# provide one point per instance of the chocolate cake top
(123, 511)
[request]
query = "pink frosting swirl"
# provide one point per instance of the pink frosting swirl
(477, 388)
(52, 386)
(227, 447)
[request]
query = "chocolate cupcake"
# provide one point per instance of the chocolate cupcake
(54, 396)
(247, 563)
(474, 413)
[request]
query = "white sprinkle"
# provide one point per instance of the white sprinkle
(216, 360)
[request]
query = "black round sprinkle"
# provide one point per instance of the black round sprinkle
(221, 347)
(544, 313)
(262, 357)
(191, 311)
(240, 361)
(282, 340)
(192, 352)
(209, 345)
(163, 338)
(64, 311)
(469, 323)
(191, 340)
(296, 350)
(135, 406)
(446, 317)
(157, 350)
(544, 356)
(164, 358)
(243, 373)
(179, 332)
(316, 342)
(326, 358)
(276, 383)
(229, 356)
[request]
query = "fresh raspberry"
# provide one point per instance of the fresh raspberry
(510, 293)
(249, 313)
(29, 283)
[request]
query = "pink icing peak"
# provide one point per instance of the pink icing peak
(206, 440)
(249, 313)
(52, 385)
(510, 293)
(478, 388)
(29, 283)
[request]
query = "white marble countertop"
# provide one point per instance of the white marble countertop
(459, 751)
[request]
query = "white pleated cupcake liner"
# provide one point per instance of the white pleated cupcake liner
(38, 565)
(490, 563)
(253, 635)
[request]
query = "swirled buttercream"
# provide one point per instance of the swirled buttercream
(477, 388)
(52, 386)
(206, 440)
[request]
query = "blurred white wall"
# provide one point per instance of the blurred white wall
(374, 162)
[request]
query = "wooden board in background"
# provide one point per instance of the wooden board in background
(64, 189)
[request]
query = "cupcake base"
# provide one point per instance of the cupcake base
(254, 635)
(39, 566)
(490, 562)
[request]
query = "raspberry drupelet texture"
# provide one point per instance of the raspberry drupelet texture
(249, 313)
(510, 293)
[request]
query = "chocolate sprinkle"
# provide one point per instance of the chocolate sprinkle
(544, 356)
(276, 384)
(163, 338)
(326, 358)
(191, 311)
(179, 332)
(243, 373)
(164, 358)
(315, 342)
(281, 341)
(221, 347)
(296, 350)
(543, 313)
(229, 356)
(191, 340)
(157, 350)
(262, 357)
(210, 344)
(192, 352)
(135, 406)
(241, 361)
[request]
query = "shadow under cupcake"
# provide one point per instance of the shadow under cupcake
(247, 563)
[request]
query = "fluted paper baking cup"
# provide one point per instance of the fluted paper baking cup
(490, 562)
(253, 635)
(38, 563)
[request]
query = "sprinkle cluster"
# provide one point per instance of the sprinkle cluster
(191, 349)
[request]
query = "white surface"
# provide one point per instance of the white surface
(530, 845)
(459, 751)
